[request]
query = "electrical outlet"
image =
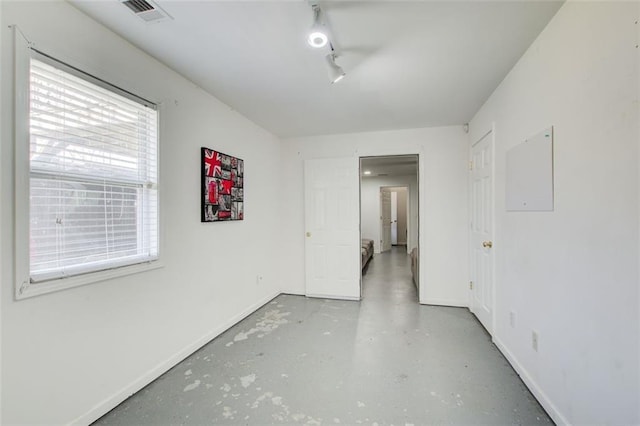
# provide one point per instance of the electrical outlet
(512, 319)
(258, 279)
(534, 340)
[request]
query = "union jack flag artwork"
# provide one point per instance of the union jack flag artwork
(222, 187)
(212, 163)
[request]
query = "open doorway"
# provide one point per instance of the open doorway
(394, 209)
(389, 224)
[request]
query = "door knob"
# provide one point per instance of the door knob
(487, 244)
(308, 234)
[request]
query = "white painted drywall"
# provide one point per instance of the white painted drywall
(443, 159)
(370, 207)
(2, 282)
(572, 274)
(72, 355)
(637, 23)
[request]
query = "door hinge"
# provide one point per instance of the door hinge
(470, 285)
(470, 165)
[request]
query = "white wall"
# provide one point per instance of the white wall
(370, 208)
(572, 274)
(2, 36)
(74, 354)
(443, 159)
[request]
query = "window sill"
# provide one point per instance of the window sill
(26, 290)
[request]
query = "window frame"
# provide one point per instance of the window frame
(24, 286)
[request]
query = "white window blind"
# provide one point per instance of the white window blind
(93, 175)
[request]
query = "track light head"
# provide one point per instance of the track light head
(318, 36)
(317, 39)
(336, 73)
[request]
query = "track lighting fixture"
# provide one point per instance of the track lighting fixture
(336, 73)
(319, 37)
(318, 33)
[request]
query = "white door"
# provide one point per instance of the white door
(394, 218)
(385, 219)
(481, 238)
(332, 222)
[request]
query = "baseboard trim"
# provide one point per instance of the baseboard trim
(445, 302)
(330, 296)
(291, 293)
(111, 402)
(535, 389)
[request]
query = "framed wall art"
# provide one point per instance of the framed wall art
(222, 187)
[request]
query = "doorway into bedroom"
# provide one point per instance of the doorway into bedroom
(389, 227)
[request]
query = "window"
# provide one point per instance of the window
(92, 178)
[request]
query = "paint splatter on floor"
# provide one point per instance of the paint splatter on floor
(192, 386)
(228, 413)
(266, 325)
(247, 380)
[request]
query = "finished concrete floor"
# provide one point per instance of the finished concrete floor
(383, 361)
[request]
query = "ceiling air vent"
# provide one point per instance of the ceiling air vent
(146, 10)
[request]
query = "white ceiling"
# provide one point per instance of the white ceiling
(409, 64)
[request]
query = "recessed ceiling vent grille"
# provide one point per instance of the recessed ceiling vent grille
(146, 10)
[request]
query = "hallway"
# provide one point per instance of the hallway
(384, 360)
(388, 279)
